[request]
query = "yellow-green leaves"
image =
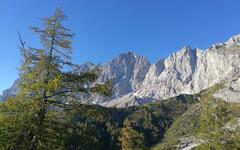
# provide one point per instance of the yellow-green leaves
(29, 121)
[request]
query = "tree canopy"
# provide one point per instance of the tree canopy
(47, 85)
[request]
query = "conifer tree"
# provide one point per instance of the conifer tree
(131, 139)
(47, 86)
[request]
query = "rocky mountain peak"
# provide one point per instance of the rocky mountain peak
(234, 40)
(85, 67)
(129, 57)
(12, 91)
(186, 71)
(128, 70)
(186, 49)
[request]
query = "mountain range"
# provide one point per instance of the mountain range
(187, 71)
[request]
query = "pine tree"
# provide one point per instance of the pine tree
(131, 139)
(47, 86)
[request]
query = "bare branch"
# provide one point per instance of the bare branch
(21, 41)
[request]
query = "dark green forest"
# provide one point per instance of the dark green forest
(90, 126)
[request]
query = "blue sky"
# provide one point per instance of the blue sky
(105, 28)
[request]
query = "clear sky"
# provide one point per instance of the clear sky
(105, 28)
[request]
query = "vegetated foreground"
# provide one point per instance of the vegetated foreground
(187, 120)
(91, 126)
(210, 124)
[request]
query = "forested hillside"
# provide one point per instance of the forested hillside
(93, 127)
(210, 124)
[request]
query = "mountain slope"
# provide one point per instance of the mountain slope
(187, 71)
(12, 91)
(200, 121)
(190, 71)
(128, 71)
(211, 124)
(97, 127)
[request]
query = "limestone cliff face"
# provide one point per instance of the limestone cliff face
(218, 63)
(192, 70)
(169, 77)
(12, 91)
(229, 92)
(187, 71)
(128, 71)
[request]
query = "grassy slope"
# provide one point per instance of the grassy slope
(205, 121)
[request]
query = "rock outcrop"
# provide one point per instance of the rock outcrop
(190, 71)
(187, 71)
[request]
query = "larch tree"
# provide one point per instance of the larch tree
(46, 86)
(131, 139)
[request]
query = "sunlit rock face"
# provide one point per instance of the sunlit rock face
(128, 71)
(230, 91)
(169, 77)
(190, 71)
(187, 71)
